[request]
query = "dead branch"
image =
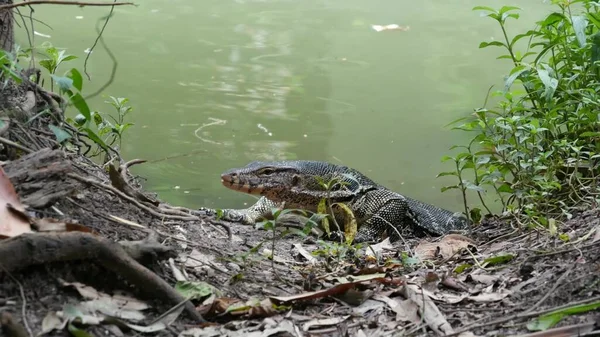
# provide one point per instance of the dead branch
(59, 2)
(38, 248)
(118, 178)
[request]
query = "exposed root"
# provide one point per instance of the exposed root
(39, 248)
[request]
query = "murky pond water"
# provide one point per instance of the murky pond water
(235, 81)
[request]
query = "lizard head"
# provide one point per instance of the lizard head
(264, 178)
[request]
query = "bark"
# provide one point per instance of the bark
(7, 35)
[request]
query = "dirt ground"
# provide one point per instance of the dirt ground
(495, 281)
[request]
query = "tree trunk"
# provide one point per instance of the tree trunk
(7, 36)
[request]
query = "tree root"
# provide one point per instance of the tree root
(39, 248)
(118, 178)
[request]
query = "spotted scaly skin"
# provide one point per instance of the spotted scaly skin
(295, 184)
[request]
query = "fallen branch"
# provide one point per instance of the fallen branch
(38, 248)
(59, 2)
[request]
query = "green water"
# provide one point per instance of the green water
(245, 80)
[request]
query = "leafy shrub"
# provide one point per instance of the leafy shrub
(538, 148)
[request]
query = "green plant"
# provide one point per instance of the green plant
(538, 149)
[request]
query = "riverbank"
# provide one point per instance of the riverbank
(494, 281)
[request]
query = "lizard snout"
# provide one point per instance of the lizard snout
(229, 178)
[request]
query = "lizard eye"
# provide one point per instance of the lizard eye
(267, 171)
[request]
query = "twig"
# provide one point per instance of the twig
(13, 144)
(130, 199)
(112, 8)
(23, 298)
(61, 2)
(115, 63)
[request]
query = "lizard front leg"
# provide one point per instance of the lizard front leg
(251, 215)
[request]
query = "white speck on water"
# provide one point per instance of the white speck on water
(186, 192)
(305, 135)
(270, 134)
(40, 34)
(88, 51)
(177, 187)
(402, 183)
(79, 17)
(154, 11)
(245, 204)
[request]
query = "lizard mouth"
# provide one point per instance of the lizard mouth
(234, 183)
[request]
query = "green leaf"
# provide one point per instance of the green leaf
(470, 186)
(79, 102)
(500, 259)
(594, 19)
(579, 25)
(549, 320)
(596, 47)
(265, 225)
(449, 173)
(491, 43)
(196, 289)
(61, 134)
(48, 64)
(76, 332)
(552, 19)
(550, 84)
(589, 134)
(94, 137)
(505, 188)
(505, 9)
(64, 83)
(80, 120)
(446, 158)
(446, 188)
(484, 8)
(514, 74)
(459, 269)
(75, 75)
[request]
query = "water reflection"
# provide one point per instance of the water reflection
(264, 85)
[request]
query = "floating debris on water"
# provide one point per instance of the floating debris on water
(380, 28)
(260, 126)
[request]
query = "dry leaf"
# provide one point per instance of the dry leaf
(372, 250)
(304, 253)
(11, 225)
(432, 316)
(54, 225)
(119, 300)
(445, 248)
(406, 310)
